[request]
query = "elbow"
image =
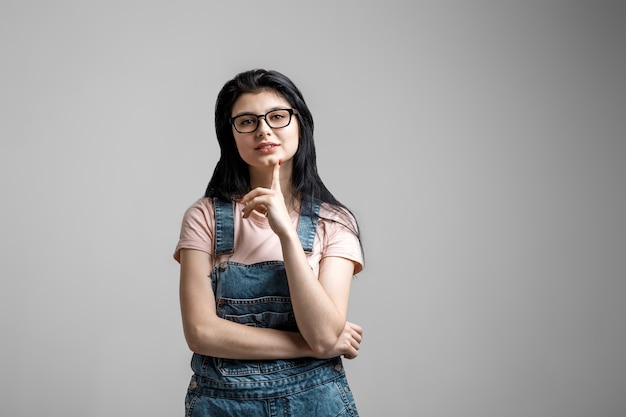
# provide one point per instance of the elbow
(324, 347)
(326, 342)
(194, 339)
(193, 345)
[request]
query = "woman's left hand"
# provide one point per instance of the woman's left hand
(271, 202)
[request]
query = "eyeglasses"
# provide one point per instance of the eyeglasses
(248, 123)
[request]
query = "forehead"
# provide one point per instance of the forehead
(259, 102)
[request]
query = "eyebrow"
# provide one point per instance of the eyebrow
(247, 113)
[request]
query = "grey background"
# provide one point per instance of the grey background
(481, 144)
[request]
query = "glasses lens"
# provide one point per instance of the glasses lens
(278, 118)
(246, 123)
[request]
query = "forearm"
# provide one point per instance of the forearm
(319, 320)
(206, 333)
(225, 339)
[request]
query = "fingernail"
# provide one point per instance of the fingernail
(280, 161)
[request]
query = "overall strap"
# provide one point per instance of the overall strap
(309, 216)
(224, 227)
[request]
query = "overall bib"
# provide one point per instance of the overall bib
(258, 295)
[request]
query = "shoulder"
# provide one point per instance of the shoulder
(199, 216)
(338, 215)
(196, 230)
(339, 235)
(201, 207)
(203, 203)
(337, 223)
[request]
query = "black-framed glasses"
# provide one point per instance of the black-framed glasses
(248, 123)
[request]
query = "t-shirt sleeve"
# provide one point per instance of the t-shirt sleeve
(196, 230)
(340, 240)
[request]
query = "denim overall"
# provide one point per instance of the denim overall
(258, 295)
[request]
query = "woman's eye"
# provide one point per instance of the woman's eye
(245, 121)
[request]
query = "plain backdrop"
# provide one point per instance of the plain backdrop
(482, 146)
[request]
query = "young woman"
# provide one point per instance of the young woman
(267, 257)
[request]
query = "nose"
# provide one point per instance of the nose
(263, 126)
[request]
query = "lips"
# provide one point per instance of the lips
(267, 146)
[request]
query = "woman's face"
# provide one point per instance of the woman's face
(265, 146)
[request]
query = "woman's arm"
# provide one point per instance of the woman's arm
(320, 305)
(208, 334)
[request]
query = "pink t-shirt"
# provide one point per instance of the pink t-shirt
(256, 242)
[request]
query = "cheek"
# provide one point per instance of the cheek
(293, 138)
(239, 142)
(290, 146)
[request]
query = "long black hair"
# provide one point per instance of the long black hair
(231, 178)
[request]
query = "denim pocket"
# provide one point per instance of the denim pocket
(274, 312)
(235, 367)
(331, 399)
(203, 405)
